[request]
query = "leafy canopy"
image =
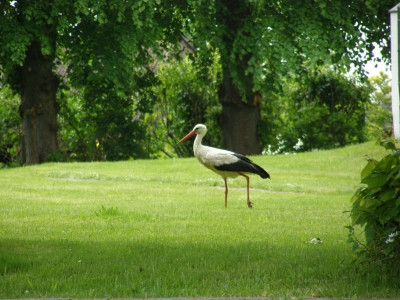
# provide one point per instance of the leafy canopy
(106, 39)
(258, 40)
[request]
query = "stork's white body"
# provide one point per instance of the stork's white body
(226, 163)
(212, 157)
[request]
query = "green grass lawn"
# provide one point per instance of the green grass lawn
(159, 229)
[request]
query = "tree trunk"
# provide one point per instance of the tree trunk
(239, 119)
(38, 108)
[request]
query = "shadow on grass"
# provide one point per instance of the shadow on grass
(157, 268)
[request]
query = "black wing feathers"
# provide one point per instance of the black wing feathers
(244, 165)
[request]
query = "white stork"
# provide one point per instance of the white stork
(223, 162)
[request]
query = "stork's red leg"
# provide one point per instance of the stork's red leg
(226, 193)
(249, 204)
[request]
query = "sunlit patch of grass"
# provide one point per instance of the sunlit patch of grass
(160, 229)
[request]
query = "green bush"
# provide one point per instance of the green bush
(322, 110)
(98, 123)
(184, 98)
(376, 209)
(76, 140)
(10, 126)
(119, 132)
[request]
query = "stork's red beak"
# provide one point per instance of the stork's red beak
(189, 135)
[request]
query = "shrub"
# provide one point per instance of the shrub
(322, 110)
(10, 126)
(376, 209)
(184, 98)
(98, 123)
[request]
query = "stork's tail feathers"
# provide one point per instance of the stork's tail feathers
(261, 171)
(252, 167)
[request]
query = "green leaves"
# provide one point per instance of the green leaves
(375, 207)
(375, 180)
(387, 144)
(368, 168)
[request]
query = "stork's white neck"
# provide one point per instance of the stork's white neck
(197, 144)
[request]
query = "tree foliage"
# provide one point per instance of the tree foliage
(379, 113)
(95, 38)
(274, 37)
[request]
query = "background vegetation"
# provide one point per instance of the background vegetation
(325, 110)
(110, 54)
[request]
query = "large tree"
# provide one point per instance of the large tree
(260, 41)
(101, 42)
